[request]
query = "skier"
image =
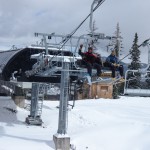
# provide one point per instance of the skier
(113, 63)
(89, 59)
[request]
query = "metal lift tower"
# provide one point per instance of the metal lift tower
(61, 139)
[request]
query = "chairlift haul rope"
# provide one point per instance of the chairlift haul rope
(74, 31)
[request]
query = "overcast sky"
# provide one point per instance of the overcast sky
(20, 19)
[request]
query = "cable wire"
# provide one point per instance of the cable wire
(74, 31)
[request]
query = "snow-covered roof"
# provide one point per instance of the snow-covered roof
(5, 56)
(49, 48)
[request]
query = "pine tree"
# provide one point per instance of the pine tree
(135, 55)
(135, 63)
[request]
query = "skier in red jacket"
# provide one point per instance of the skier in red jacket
(90, 60)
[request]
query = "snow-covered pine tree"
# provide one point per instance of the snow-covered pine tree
(135, 63)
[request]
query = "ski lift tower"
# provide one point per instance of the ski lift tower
(37, 97)
(61, 139)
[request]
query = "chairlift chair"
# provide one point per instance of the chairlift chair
(143, 79)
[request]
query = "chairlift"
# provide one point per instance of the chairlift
(143, 78)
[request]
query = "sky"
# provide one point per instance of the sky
(94, 124)
(19, 20)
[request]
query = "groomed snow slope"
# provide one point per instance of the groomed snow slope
(101, 124)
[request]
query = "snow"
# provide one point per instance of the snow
(96, 124)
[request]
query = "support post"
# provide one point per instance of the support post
(61, 140)
(46, 48)
(35, 118)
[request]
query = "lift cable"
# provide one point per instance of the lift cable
(143, 44)
(74, 31)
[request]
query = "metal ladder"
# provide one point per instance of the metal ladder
(40, 96)
(37, 97)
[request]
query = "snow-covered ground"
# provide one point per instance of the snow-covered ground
(101, 124)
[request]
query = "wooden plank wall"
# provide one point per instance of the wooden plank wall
(96, 90)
